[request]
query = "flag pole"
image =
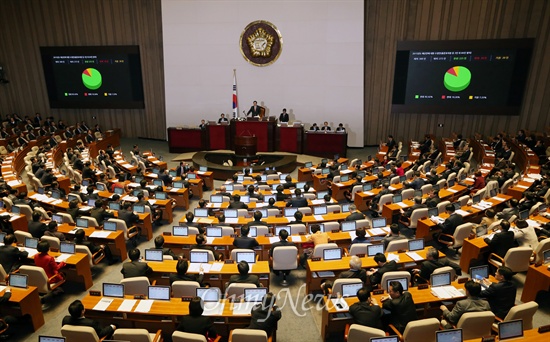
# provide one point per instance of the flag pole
(235, 101)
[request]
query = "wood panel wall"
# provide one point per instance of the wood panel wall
(389, 21)
(25, 25)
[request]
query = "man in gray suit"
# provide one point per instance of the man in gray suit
(471, 304)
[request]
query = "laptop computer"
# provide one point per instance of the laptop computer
(160, 195)
(100, 187)
(158, 292)
(265, 212)
(229, 187)
(321, 227)
(43, 338)
(208, 294)
(114, 205)
(249, 257)
(153, 255)
(344, 178)
(282, 176)
(201, 212)
(350, 290)
(245, 198)
(139, 208)
(138, 179)
(173, 173)
(57, 218)
(321, 194)
(332, 254)
(158, 182)
(289, 212)
(198, 257)
(440, 279)
(216, 198)
(384, 339)
(456, 205)
(177, 185)
(404, 282)
(203, 168)
(119, 191)
(451, 183)
(267, 197)
(18, 280)
(67, 247)
(56, 194)
(372, 250)
(367, 187)
(524, 215)
(82, 222)
(345, 208)
(397, 199)
(91, 202)
(300, 185)
(476, 199)
(493, 192)
(31, 242)
(15, 210)
(109, 225)
(510, 329)
(180, 231)
(254, 295)
(320, 210)
(433, 212)
(378, 222)
(253, 232)
(191, 176)
(416, 245)
(279, 228)
(113, 290)
(348, 226)
(2, 236)
(308, 164)
(454, 335)
(136, 192)
(231, 213)
(214, 231)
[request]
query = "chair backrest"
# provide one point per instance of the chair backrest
(41, 210)
(446, 269)
(285, 258)
(261, 230)
(463, 200)
(298, 228)
(330, 226)
(518, 258)
(3, 275)
(505, 186)
(385, 199)
(53, 241)
(248, 335)
(462, 232)
(441, 183)
(67, 218)
(359, 248)
(238, 250)
(193, 231)
(120, 225)
(541, 247)
(394, 275)
(74, 333)
(85, 250)
(493, 225)
(134, 335)
(179, 336)
(25, 210)
(407, 194)
(21, 235)
(91, 221)
(184, 288)
(476, 324)
(337, 286)
(416, 215)
(360, 333)
(524, 311)
(355, 189)
(7, 202)
(136, 285)
(364, 223)
(228, 231)
(333, 208)
(318, 249)
(36, 277)
(395, 245)
(441, 206)
(237, 289)
(422, 330)
(394, 180)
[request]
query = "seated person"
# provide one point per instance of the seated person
(471, 304)
(159, 244)
(222, 118)
(195, 322)
(135, 268)
(393, 235)
(431, 264)
(99, 213)
(181, 268)
(298, 216)
(47, 262)
(502, 241)
(354, 214)
(317, 237)
(243, 276)
(264, 316)
(525, 235)
(76, 318)
(201, 244)
(80, 239)
(283, 236)
(341, 128)
(501, 295)
(280, 195)
(244, 241)
(314, 127)
(36, 227)
(237, 204)
(298, 201)
(11, 257)
(401, 306)
(325, 127)
(52, 231)
(360, 236)
(366, 311)
(257, 220)
(355, 271)
(375, 276)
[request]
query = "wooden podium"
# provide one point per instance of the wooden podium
(245, 145)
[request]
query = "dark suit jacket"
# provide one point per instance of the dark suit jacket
(429, 266)
(349, 274)
(501, 297)
(263, 319)
(283, 117)
(402, 311)
(280, 243)
(86, 322)
(355, 216)
(100, 215)
(470, 304)
(135, 269)
(11, 257)
(196, 325)
(238, 205)
(365, 314)
(501, 243)
(249, 278)
(297, 202)
(37, 229)
(245, 242)
(376, 277)
(450, 224)
(254, 111)
(128, 216)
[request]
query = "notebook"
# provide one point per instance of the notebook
(153, 255)
(31, 243)
(416, 245)
(289, 212)
(454, 335)
(158, 292)
(372, 250)
(254, 295)
(160, 195)
(180, 231)
(114, 206)
(332, 254)
(139, 208)
(198, 257)
(214, 231)
(510, 329)
(378, 222)
(113, 290)
(201, 212)
(350, 290)
(208, 294)
(320, 210)
(42, 338)
(216, 198)
(110, 226)
(82, 222)
(67, 247)
(57, 218)
(18, 280)
(348, 226)
(249, 257)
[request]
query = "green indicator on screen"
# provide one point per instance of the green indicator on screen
(457, 78)
(91, 78)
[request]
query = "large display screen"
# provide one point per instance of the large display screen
(461, 77)
(93, 76)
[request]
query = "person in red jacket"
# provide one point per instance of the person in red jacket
(47, 262)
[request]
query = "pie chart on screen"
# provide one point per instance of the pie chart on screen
(457, 78)
(91, 78)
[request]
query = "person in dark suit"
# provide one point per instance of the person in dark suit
(76, 317)
(237, 204)
(222, 118)
(280, 195)
(501, 295)
(283, 236)
(181, 273)
(426, 145)
(21, 140)
(400, 305)
(264, 316)
(127, 215)
(355, 272)
(195, 322)
(99, 213)
(159, 244)
(326, 127)
(255, 109)
(366, 311)
(502, 241)
(80, 239)
(416, 183)
(10, 256)
(37, 228)
(431, 264)
(243, 276)
(257, 220)
(284, 116)
(244, 241)
(135, 268)
(383, 266)
(354, 214)
(471, 304)
(393, 235)
(299, 201)
(201, 244)
(454, 220)
(417, 205)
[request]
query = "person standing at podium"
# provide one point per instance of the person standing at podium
(255, 109)
(222, 118)
(284, 116)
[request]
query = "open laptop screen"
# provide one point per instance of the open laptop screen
(214, 231)
(249, 257)
(479, 272)
(348, 226)
(180, 231)
(67, 247)
(153, 255)
(378, 222)
(208, 294)
(254, 295)
(159, 292)
(216, 198)
(114, 205)
(440, 279)
(289, 212)
(201, 212)
(384, 339)
(113, 290)
(42, 338)
(510, 329)
(279, 228)
(82, 222)
(416, 245)
(231, 213)
(332, 254)
(372, 250)
(199, 257)
(109, 225)
(31, 242)
(433, 212)
(320, 210)
(454, 335)
(18, 280)
(350, 290)
(404, 282)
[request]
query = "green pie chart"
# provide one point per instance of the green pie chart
(457, 78)
(91, 78)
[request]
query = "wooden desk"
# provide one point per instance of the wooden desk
(264, 131)
(207, 177)
(320, 182)
(115, 240)
(196, 186)
(517, 190)
(472, 250)
(25, 302)
(531, 335)
(338, 189)
(324, 144)
(537, 279)
(289, 138)
(181, 196)
(78, 269)
(182, 139)
(305, 174)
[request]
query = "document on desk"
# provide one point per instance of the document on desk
(100, 234)
(261, 204)
(62, 257)
(209, 240)
(127, 305)
(103, 304)
(462, 212)
(392, 188)
(522, 186)
(414, 256)
(352, 235)
(393, 257)
(532, 223)
(368, 193)
(452, 190)
(376, 231)
(318, 217)
(317, 201)
(213, 309)
(231, 220)
(152, 201)
(273, 239)
(144, 305)
(175, 189)
(2, 288)
(129, 198)
(448, 291)
(295, 238)
(216, 267)
(32, 252)
(402, 205)
(243, 308)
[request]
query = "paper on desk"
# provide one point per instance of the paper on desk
(296, 238)
(522, 186)
(144, 305)
(32, 252)
(318, 217)
(174, 190)
(216, 267)
(317, 201)
(57, 201)
(209, 240)
(392, 188)
(103, 304)
(231, 220)
(534, 176)
(62, 257)
(462, 212)
(528, 180)
(127, 305)
(352, 235)
(452, 190)
(402, 205)
(500, 199)
(204, 220)
(14, 182)
(273, 239)
(152, 201)
(214, 205)
(261, 204)
(129, 198)
(213, 309)
(414, 256)
(368, 193)
(2, 288)
(243, 308)
(376, 231)
(345, 172)
(393, 257)
(152, 175)
(532, 223)
(100, 234)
